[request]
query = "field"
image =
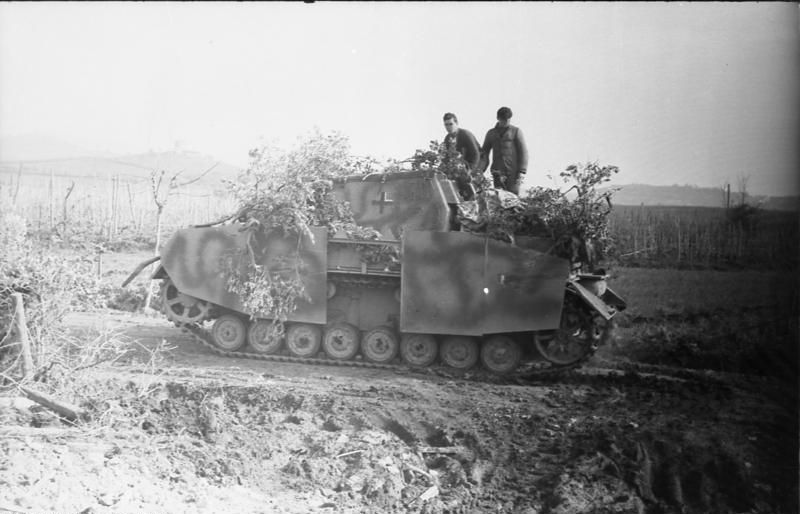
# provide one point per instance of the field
(116, 210)
(705, 237)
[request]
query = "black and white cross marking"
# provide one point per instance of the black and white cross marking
(384, 200)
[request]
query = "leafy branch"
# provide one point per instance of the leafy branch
(576, 219)
(289, 192)
(448, 161)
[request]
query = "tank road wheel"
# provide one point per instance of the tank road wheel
(500, 354)
(459, 352)
(229, 332)
(380, 345)
(303, 340)
(341, 341)
(418, 350)
(578, 336)
(180, 307)
(263, 338)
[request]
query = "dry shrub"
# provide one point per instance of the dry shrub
(51, 286)
(63, 358)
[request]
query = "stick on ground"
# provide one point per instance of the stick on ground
(63, 409)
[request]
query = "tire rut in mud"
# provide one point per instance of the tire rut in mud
(614, 443)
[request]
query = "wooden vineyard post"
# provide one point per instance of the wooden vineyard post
(115, 206)
(130, 203)
(728, 197)
(65, 410)
(50, 197)
(16, 190)
(110, 206)
(65, 211)
(22, 331)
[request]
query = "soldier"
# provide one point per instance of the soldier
(509, 153)
(462, 141)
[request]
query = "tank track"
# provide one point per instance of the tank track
(203, 338)
(527, 371)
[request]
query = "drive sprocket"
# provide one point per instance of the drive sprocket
(180, 307)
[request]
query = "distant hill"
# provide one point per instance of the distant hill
(643, 194)
(43, 154)
(37, 147)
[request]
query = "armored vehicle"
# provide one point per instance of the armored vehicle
(448, 298)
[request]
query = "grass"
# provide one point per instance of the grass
(743, 321)
(656, 292)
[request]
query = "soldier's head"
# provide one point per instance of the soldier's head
(503, 115)
(450, 123)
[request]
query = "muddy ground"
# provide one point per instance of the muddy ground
(195, 432)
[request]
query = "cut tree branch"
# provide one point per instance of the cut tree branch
(192, 181)
(139, 269)
(65, 410)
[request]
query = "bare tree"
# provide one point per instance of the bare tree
(742, 185)
(161, 191)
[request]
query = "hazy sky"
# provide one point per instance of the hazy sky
(672, 93)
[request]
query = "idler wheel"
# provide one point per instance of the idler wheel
(577, 336)
(459, 352)
(263, 337)
(341, 341)
(180, 307)
(418, 350)
(380, 345)
(229, 332)
(500, 354)
(303, 340)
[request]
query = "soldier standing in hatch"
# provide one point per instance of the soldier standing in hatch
(464, 142)
(509, 153)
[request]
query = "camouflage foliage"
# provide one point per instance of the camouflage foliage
(290, 191)
(576, 219)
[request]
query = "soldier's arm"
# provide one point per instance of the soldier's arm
(522, 152)
(487, 145)
(473, 152)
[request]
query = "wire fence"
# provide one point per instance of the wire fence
(111, 207)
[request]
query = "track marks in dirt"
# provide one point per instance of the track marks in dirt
(614, 443)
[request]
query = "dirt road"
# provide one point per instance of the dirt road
(210, 434)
